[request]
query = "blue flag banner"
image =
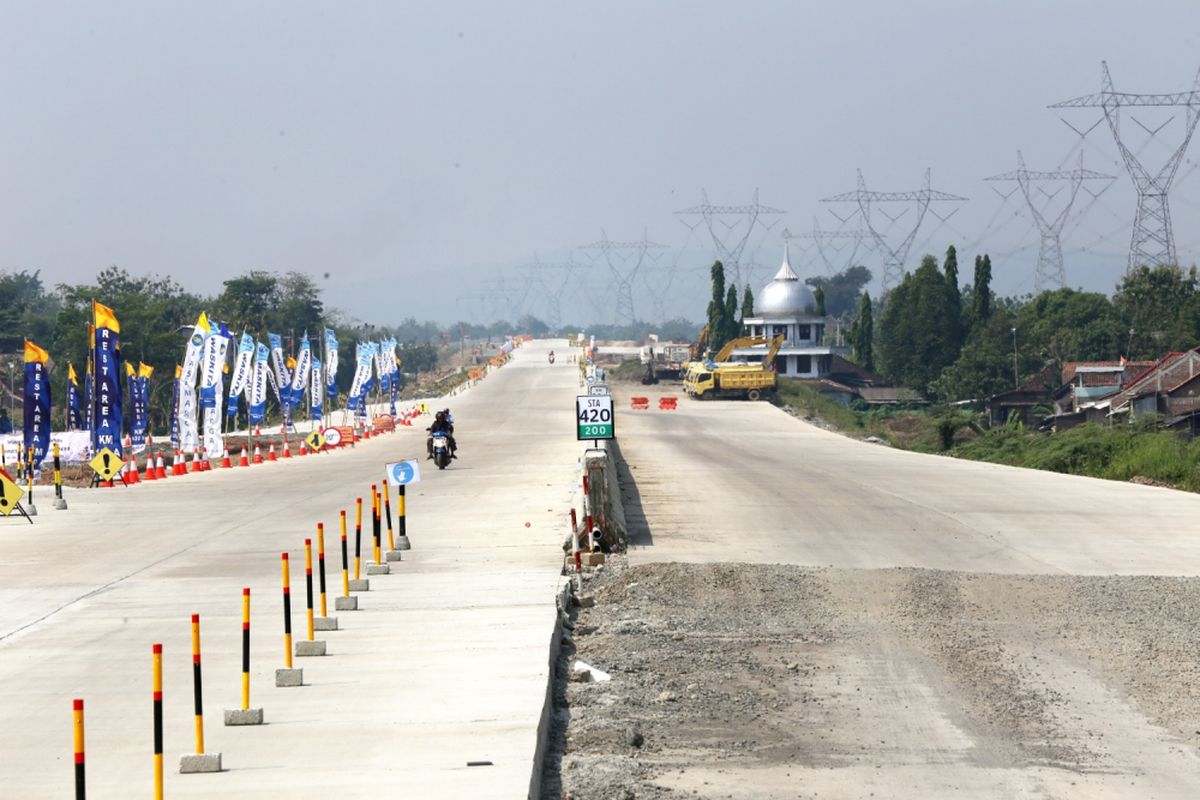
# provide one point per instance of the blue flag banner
(37, 403)
(107, 401)
(72, 399)
(175, 408)
(331, 364)
(258, 385)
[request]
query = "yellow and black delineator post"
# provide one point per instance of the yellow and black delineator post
(345, 560)
(321, 564)
(80, 782)
(308, 584)
(402, 542)
(245, 648)
(245, 715)
(60, 502)
(158, 723)
(387, 507)
(310, 646)
(287, 611)
(198, 761)
(197, 691)
(357, 537)
(30, 508)
(375, 523)
(345, 602)
(287, 676)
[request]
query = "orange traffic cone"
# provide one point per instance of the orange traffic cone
(225, 462)
(258, 459)
(244, 461)
(303, 448)
(149, 474)
(131, 473)
(160, 471)
(194, 466)
(287, 450)
(271, 454)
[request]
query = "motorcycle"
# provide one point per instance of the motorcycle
(441, 450)
(551, 356)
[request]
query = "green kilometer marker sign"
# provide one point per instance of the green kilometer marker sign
(594, 417)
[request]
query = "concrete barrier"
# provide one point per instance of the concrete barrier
(604, 494)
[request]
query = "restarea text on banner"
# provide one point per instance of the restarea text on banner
(74, 446)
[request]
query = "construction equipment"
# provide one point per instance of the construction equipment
(718, 377)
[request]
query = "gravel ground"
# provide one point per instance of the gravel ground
(755, 681)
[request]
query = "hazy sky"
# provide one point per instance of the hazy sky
(413, 150)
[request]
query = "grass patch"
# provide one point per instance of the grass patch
(811, 403)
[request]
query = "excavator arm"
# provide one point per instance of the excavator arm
(769, 359)
(738, 343)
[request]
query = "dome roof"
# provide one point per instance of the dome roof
(785, 295)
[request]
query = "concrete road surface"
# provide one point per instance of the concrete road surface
(981, 672)
(444, 663)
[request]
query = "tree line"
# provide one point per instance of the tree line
(957, 341)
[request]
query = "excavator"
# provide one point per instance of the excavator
(719, 377)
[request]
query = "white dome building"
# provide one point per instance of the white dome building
(786, 306)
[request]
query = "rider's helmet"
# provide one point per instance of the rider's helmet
(440, 416)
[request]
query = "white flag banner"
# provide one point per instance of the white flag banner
(316, 395)
(257, 387)
(212, 384)
(300, 377)
(331, 362)
(362, 374)
(189, 436)
(243, 366)
(282, 379)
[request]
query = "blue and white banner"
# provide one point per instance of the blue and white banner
(107, 432)
(37, 404)
(175, 408)
(243, 368)
(331, 363)
(212, 386)
(300, 376)
(362, 378)
(189, 434)
(283, 379)
(73, 416)
(316, 393)
(258, 385)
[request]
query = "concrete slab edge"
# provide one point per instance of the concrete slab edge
(561, 612)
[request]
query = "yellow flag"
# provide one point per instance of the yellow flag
(71, 373)
(35, 354)
(105, 317)
(178, 371)
(129, 370)
(202, 322)
(145, 370)
(291, 362)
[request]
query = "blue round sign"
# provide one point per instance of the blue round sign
(402, 472)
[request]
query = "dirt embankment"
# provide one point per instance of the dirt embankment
(724, 678)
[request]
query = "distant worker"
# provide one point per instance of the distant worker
(5, 422)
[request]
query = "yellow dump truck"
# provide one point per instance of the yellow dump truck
(719, 377)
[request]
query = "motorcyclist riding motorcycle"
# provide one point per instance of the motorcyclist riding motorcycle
(551, 356)
(442, 424)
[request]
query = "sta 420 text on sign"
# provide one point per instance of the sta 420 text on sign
(594, 417)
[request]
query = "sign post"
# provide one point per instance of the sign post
(594, 418)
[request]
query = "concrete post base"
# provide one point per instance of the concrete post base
(345, 603)
(204, 762)
(393, 555)
(31, 510)
(316, 647)
(402, 543)
(60, 503)
(285, 677)
(243, 716)
(360, 585)
(325, 623)
(378, 569)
